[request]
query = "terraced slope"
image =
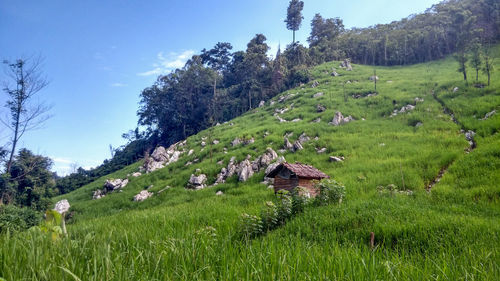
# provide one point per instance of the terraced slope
(450, 231)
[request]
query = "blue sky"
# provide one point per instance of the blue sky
(99, 55)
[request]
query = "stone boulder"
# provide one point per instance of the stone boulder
(455, 89)
(334, 74)
(219, 193)
(346, 63)
(304, 138)
(262, 103)
(159, 154)
(98, 194)
(162, 157)
(279, 118)
(227, 172)
(287, 144)
(489, 114)
(236, 142)
(321, 150)
(245, 170)
(143, 195)
(337, 158)
(320, 108)
(197, 181)
(339, 119)
(314, 84)
(111, 184)
(136, 174)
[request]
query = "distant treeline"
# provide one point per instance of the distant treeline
(218, 84)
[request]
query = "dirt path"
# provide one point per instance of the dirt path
(468, 134)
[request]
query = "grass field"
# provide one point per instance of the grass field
(451, 232)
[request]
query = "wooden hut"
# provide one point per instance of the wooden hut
(288, 176)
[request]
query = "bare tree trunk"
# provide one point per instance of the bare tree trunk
(16, 132)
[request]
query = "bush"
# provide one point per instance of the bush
(284, 206)
(251, 226)
(15, 218)
(330, 191)
(269, 216)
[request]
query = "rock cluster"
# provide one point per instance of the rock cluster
(162, 157)
(297, 145)
(469, 136)
(238, 141)
(246, 168)
(197, 180)
(489, 114)
(285, 97)
(109, 186)
(403, 109)
(339, 119)
(143, 195)
(358, 96)
(346, 64)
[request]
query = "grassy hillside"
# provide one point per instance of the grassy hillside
(451, 232)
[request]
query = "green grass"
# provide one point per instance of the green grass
(449, 233)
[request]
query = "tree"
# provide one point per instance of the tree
(488, 62)
(31, 180)
(475, 60)
(294, 16)
(324, 29)
(24, 114)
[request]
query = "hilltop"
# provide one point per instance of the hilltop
(422, 130)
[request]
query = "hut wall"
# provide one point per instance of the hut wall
(308, 183)
(288, 184)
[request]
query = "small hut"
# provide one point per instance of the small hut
(288, 176)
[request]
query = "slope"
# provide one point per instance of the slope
(451, 232)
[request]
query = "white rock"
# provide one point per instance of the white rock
(143, 195)
(317, 95)
(136, 174)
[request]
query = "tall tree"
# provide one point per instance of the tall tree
(294, 16)
(488, 62)
(31, 180)
(24, 114)
(475, 59)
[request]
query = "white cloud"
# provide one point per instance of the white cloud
(61, 160)
(118, 85)
(168, 63)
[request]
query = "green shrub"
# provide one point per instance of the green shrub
(251, 226)
(269, 216)
(16, 218)
(284, 206)
(330, 191)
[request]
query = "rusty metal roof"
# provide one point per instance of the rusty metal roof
(301, 170)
